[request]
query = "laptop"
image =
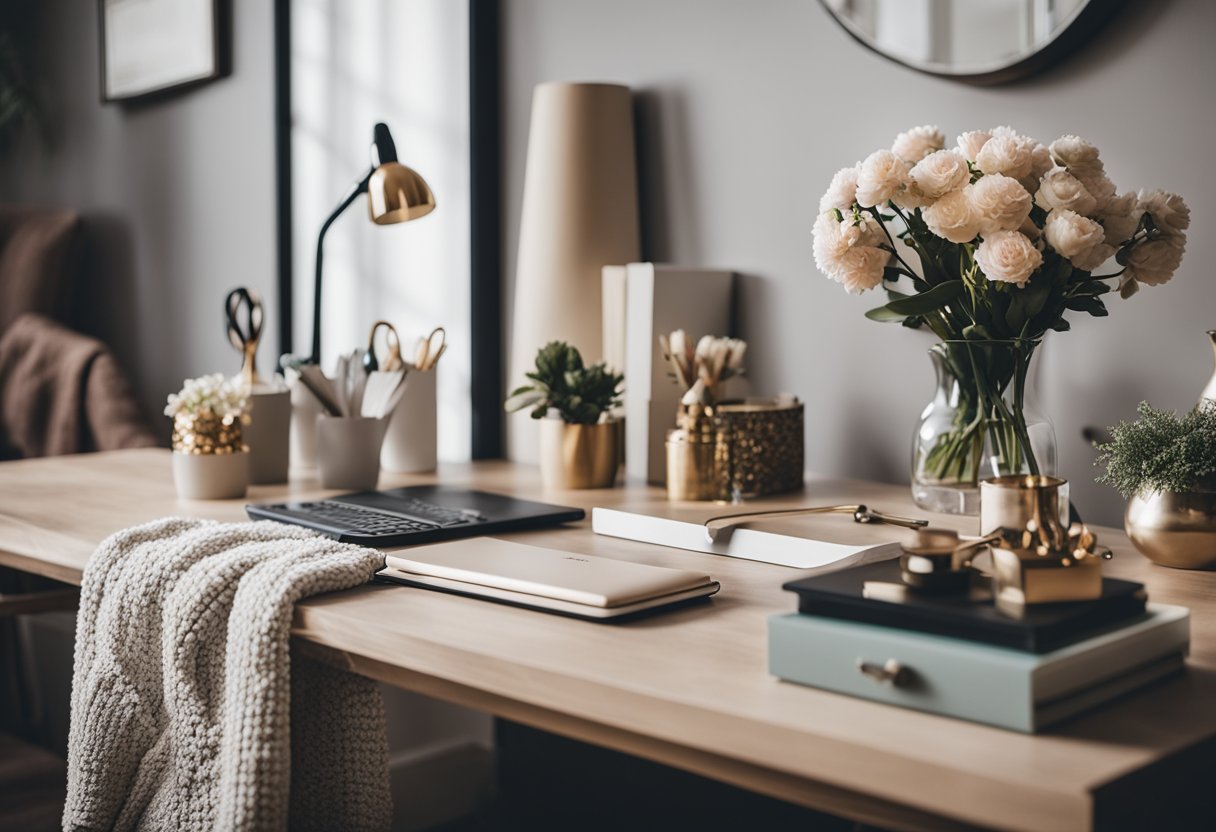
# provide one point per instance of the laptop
(415, 514)
(549, 580)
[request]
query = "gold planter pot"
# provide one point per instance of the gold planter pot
(579, 456)
(1175, 529)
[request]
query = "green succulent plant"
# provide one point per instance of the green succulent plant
(1161, 451)
(561, 382)
(18, 104)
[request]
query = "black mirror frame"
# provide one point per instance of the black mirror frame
(1067, 42)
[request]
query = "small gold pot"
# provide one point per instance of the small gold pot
(1173, 528)
(579, 456)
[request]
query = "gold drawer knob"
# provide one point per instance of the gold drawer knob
(890, 672)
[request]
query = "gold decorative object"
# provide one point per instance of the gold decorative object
(1018, 500)
(698, 458)
(766, 442)
(720, 527)
(1176, 529)
(929, 564)
(203, 432)
(579, 456)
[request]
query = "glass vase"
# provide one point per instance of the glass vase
(983, 422)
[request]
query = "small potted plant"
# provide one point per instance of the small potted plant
(210, 458)
(579, 439)
(1165, 465)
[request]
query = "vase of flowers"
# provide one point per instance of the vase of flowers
(989, 244)
(580, 442)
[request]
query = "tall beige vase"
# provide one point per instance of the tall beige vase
(580, 213)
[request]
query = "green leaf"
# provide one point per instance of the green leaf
(919, 304)
(1090, 288)
(1093, 306)
(1060, 325)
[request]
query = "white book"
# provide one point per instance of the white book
(743, 542)
(660, 299)
(613, 296)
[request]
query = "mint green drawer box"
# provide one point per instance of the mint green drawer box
(977, 682)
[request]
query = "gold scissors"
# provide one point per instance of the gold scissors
(244, 336)
(427, 352)
(392, 361)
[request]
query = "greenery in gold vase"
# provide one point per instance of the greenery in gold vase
(1161, 451)
(580, 394)
(996, 240)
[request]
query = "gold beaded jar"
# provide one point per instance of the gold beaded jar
(767, 444)
(210, 460)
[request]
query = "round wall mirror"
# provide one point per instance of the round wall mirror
(978, 41)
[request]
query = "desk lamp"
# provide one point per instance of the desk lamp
(395, 194)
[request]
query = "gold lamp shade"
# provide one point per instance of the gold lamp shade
(396, 193)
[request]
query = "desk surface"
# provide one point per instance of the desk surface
(690, 688)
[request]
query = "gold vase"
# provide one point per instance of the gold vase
(579, 456)
(1173, 528)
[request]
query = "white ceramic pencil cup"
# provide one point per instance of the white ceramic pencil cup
(304, 411)
(348, 451)
(410, 444)
(267, 433)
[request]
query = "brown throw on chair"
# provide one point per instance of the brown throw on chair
(62, 392)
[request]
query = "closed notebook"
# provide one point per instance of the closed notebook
(548, 579)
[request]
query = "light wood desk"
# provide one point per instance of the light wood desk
(690, 688)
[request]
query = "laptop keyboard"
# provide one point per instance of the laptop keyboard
(357, 520)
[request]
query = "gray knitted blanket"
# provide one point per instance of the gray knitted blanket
(189, 711)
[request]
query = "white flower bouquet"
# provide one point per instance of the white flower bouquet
(1007, 234)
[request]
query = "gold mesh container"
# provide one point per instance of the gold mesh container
(767, 444)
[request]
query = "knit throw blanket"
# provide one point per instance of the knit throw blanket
(189, 710)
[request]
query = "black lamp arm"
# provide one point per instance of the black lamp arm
(359, 188)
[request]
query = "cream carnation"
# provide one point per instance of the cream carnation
(1008, 256)
(1010, 156)
(939, 173)
(1169, 211)
(1120, 217)
(918, 143)
(1060, 189)
(1074, 152)
(1000, 203)
(862, 268)
(970, 143)
(1154, 261)
(834, 242)
(1071, 234)
(1089, 261)
(842, 192)
(880, 177)
(830, 244)
(953, 217)
(1040, 161)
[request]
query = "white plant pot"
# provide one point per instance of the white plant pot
(267, 436)
(211, 476)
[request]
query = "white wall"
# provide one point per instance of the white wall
(745, 111)
(177, 195)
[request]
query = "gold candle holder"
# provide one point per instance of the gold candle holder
(698, 457)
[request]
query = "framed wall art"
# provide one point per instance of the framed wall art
(151, 47)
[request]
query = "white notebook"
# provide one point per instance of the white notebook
(746, 542)
(549, 579)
